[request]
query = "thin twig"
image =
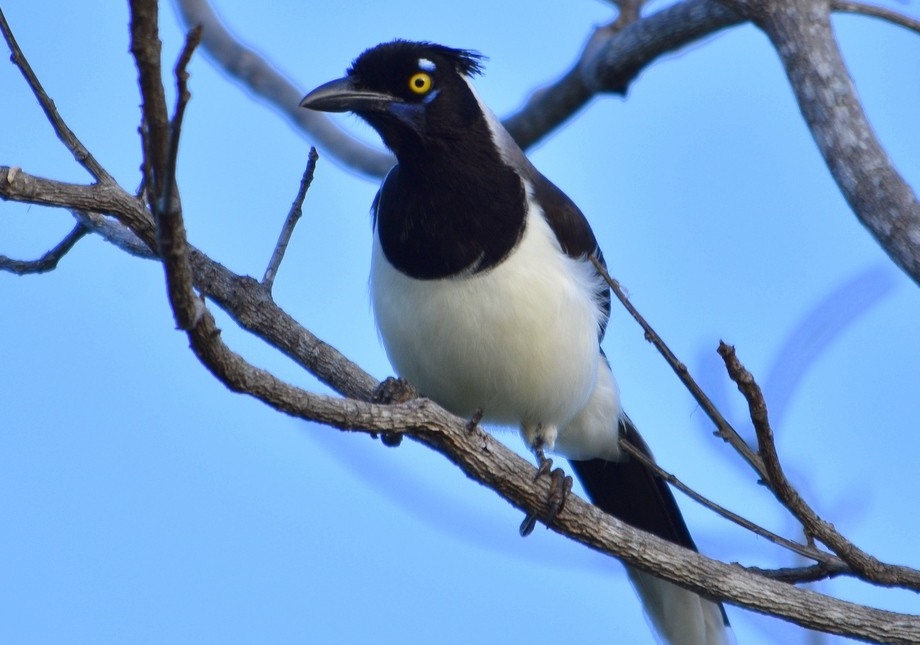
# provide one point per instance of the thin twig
(724, 428)
(799, 575)
(808, 552)
(268, 280)
(844, 6)
(64, 133)
(861, 562)
(48, 261)
(188, 307)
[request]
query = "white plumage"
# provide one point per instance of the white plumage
(468, 341)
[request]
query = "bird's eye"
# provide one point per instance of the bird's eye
(420, 83)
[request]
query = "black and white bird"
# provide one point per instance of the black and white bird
(486, 298)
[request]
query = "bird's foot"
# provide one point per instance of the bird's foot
(390, 391)
(474, 420)
(559, 487)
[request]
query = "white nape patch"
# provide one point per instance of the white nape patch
(426, 65)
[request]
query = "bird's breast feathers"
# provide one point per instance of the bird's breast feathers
(518, 341)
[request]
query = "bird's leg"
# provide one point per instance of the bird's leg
(390, 391)
(474, 420)
(559, 487)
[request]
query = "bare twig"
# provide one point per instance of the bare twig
(188, 307)
(845, 6)
(268, 280)
(810, 552)
(800, 575)
(48, 261)
(723, 428)
(866, 565)
(64, 133)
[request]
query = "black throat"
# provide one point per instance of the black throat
(450, 207)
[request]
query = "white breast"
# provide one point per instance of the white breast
(518, 341)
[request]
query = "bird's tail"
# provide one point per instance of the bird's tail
(629, 491)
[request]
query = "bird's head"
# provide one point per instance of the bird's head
(415, 94)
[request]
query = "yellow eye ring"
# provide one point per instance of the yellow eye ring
(420, 83)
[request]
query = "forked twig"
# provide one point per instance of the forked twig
(829, 561)
(866, 565)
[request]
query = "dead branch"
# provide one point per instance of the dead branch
(49, 260)
(828, 561)
(723, 428)
(291, 221)
(801, 32)
(866, 565)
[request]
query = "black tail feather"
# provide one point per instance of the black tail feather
(631, 492)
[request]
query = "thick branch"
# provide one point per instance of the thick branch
(801, 33)
(610, 61)
(146, 47)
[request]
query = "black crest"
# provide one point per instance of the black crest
(368, 65)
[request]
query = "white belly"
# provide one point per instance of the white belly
(518, 341)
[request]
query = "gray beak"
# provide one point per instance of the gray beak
(341, 95)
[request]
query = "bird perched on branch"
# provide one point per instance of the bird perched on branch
(487, 299)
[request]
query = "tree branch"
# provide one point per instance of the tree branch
(614, 57)
(828, 561)
(64, 133)
(895, 18)
(724, 429)
(268, 280)
(146, 48)
(801, 33)
(48, 261)
(261, 78)
(866, 565)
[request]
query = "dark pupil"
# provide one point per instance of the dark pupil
(419, 82)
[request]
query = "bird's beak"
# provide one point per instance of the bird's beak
(341, 95)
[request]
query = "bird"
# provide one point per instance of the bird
(488, 302)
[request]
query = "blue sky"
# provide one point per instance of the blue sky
(142, 502)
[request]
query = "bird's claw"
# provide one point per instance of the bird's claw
(559, 487)
(390, 391)
(474, 420)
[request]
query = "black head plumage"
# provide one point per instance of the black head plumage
(400, 52)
